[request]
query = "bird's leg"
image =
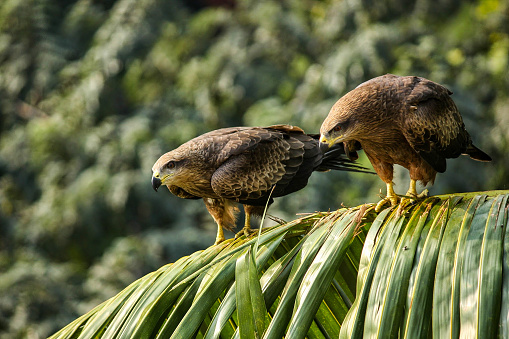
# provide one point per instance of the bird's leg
(412, 192)
(391, 197)
(224, 213)
(385, 172)
(249, 211)
(247, 225)
(220, 235)
(411, 195)
(246, 230)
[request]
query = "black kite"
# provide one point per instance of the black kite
(242, 165)
(404, 120)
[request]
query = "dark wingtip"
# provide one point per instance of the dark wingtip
(156, 182)
(476, 154)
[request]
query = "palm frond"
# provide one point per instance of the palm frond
(437, 268)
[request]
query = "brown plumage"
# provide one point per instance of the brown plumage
(242, 165)
(404, 120)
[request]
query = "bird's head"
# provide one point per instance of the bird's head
(351, 115)
(167, 170)
(342, 123)
(335, 129)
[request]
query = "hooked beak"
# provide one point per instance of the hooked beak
(324, 143)
(156, 182)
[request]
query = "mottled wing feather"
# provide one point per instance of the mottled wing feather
(431, 123)
(239, 142)
(273, 159)
(242, 139)
(251, 174)
(286, 129)
(220, 144)
(304, 156)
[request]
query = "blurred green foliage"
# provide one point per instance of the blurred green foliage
(93, 92)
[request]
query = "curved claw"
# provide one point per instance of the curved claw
(424, 194)
(246, 230)
(411, 197)
(393, 199)
(404, 203)
(412, 192)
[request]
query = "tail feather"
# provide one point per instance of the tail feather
(336, 159)
(343, 166)
(476, 154)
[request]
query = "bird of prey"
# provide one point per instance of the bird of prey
(404, 120)
(243, 165)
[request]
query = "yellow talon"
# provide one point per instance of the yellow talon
(391, 197)
(412, 195)
(220, 235)
(246, 230)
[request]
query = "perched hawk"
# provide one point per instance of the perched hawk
(242, 165)
(409, 121)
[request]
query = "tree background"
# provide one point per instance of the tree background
(93, 92)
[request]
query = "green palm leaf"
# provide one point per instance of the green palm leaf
(437, 268)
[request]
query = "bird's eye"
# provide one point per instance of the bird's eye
(337, 128)
(170, 165)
